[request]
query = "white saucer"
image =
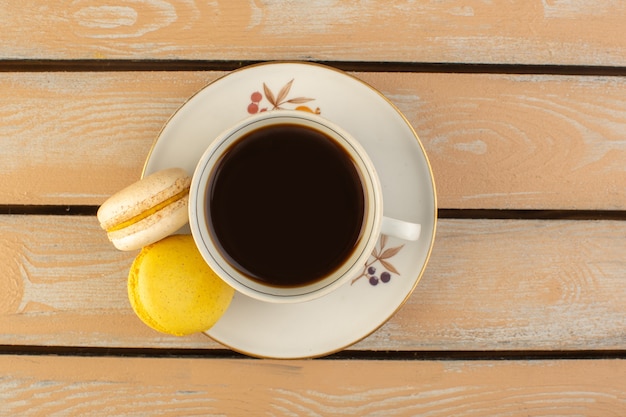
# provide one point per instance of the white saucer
(354, 311)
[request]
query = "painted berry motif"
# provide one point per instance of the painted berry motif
(278, 101)
(379, 268)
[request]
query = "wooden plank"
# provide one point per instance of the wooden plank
(93, 386)
(88, 132)
(494, 141)
(562, 32)
(515, 284)
(489, 285)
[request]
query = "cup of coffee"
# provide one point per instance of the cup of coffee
(286, 206)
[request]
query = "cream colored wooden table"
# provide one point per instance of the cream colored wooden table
(521, 107)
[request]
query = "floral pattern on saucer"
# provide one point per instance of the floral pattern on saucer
(278, 101)
(380, 257)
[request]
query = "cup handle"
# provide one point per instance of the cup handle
(400, 229)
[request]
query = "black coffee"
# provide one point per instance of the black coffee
(286, 205)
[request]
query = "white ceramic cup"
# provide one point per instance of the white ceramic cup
(373, 224)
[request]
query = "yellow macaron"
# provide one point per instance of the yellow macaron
(173, 290)
(147, 210)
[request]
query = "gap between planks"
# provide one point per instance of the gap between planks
(123, 65)
(425, 355)
(488, 214)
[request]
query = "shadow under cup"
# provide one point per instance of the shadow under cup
(285, 206)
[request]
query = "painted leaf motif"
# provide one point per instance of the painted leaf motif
(383, 241)
(299, 100)
(282, 94)
(269, 95)
(391, 252)
(389, 267)
(277, 101)
(380, 254)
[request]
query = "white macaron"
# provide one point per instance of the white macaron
(148, 210)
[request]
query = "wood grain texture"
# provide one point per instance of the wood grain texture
(83, 386)
(560, 32)
(88, 133)
(516, 284)
(505, 289)
(490, 285)
(494, 141)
